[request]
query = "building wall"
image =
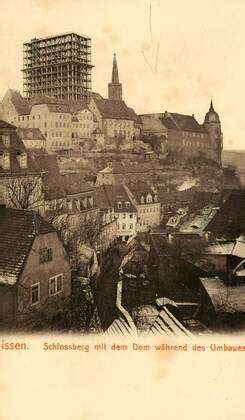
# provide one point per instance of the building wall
(55, 126)
(126, 224)
(36, 272)
(82, 124)
(8, 300)
(34, 143)
(117, 128)
(148, 216)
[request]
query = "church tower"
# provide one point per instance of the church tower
(115, 88)
(213, 127)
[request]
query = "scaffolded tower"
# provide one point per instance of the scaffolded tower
(58, 66)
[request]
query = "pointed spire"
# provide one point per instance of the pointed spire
(115, 77)
(115, 88)
(211, 105)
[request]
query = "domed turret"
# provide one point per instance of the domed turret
(212, 116)
(213, 127)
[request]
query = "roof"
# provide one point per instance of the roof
(114, 109)
(74, 184)
(117, 193)
(21, 105)
(229, 219)
(30, 134)
(225, 298)
(52, 180)
(182, 122)
(15, 149)
(101, 198)
(18, 229)
(141, 188)
(153, 124)
(5, 124)
(147, 318)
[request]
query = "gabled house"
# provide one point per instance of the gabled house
(145, 199)
(124, 209)
(34, 267)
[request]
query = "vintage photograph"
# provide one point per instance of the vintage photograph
(122, 168)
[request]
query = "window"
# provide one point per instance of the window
(45, 255)
(131, 226)
(35, 293)
(123, 226)
(55, 285)
(119, 204)
(6, 140)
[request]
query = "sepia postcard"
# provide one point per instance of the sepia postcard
(122, 210)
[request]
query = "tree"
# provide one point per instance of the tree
(24, 192)
(183, 262)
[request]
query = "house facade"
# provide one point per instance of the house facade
(148, 207)
(34, 267)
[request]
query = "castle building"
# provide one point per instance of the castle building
(185, 137)
(58, 66)
(114, 118)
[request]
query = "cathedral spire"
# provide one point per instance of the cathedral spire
(115, 88)
(115, 77)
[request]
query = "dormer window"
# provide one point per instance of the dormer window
(127, 204)
(91, 201)
(6, 160)
(6, 140)
(142, 200)
(155, 198)
(119, 204)
(85, 202)
(23, 160)
(149, 198)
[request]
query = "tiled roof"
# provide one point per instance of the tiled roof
(18, 228)
(117, 193)
(30, 134)
(101, 198)
(182, 122)
(115, 109)
(21, 105)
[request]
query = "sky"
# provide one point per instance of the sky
(172, 55)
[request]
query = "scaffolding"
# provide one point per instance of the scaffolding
(58, 66)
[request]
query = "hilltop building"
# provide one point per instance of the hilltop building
(184, 136)
(58, 66)
(114, 118)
